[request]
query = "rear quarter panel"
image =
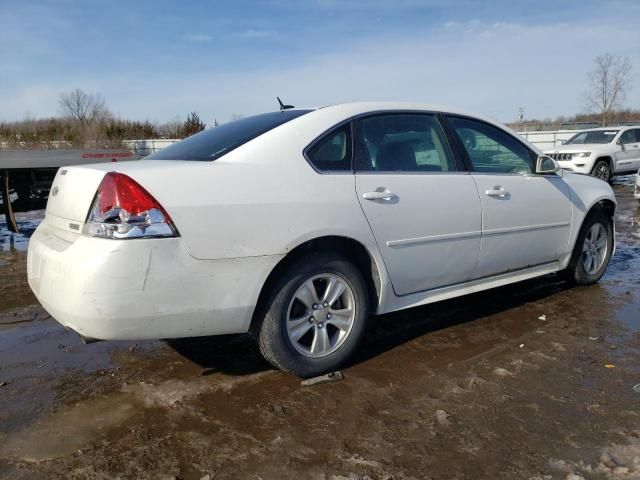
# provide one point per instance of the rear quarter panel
(261, 199)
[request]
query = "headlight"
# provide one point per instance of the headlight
(581, 154)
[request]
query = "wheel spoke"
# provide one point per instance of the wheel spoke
(335, 289)
(598, 260)
(593, 233)
(320, 341)
(341, 319)
(307, 294)
(298, 328)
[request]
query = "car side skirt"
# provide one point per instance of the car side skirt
(473, 286)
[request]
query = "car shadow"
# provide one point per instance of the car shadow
(228, 354)
(386, 332)
(239, 355)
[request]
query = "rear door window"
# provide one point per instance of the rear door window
(403, 142)
(214, 142)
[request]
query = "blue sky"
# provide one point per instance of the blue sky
(161, 59)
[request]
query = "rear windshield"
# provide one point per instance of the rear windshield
(215, 142)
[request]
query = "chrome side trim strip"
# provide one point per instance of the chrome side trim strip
(456, 236)
(433, 238)
(526, 228)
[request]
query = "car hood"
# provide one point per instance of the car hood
(582, 147)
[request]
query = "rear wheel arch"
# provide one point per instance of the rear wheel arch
(349, 248)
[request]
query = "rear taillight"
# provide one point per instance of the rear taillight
(123, 209)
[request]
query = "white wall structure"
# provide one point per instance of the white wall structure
(548, 139)
(147, 147)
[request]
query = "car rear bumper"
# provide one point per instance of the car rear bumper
(144, 288)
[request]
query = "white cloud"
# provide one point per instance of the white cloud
(492, 68)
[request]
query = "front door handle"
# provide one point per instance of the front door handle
(497, 191)
(385, 195)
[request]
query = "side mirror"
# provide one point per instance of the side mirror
(547, 165)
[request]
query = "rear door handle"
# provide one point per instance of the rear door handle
(385, 195)
(497, 191)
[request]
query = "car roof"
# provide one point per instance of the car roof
(332, 114)
(597, 129)
(358, 108)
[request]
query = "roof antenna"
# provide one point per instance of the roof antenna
(283, 106)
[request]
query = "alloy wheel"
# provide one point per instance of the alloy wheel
(321, 315)
(594, 248)
(602, 172)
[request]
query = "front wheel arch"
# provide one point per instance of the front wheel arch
(603, 208)
(608, 161)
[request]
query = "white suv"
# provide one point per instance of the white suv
(601, 152)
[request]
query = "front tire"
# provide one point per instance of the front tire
(315, 316)
(592, 251)
(602, 170)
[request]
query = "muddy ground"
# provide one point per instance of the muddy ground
(534, 380)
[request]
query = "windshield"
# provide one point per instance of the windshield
(593, 136)
(217, 141)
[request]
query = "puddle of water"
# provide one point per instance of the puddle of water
(41, 360)
(27, 224)
(75, 427)
(624, 180)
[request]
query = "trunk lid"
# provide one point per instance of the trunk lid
(74, 188)
(71, 195)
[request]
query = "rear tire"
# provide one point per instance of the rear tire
(315, 315)
(602, 170)
(592, 250)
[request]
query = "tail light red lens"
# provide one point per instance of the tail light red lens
(122, 208)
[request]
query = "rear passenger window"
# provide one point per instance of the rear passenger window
(333, 151)
(403, 143)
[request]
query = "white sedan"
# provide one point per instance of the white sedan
(297, 225)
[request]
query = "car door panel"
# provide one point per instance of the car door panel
(529, 225)
(526, 218)
(429, 235)
(424, 213)
(628, 157)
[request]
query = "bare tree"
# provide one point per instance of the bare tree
(608, 84)
(83, 107)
